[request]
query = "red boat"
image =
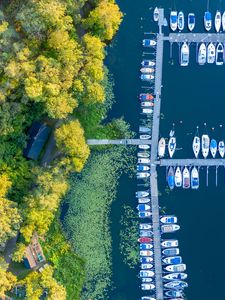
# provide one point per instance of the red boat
(146, 97)
(145, 240)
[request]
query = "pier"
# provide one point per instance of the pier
(195, 37)
(211, 162)
(119, 142)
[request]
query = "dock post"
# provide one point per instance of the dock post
(207, 176)
(171, 50)
(216, 176)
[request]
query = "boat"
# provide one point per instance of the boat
(174, 294)
(146, 279)
(147, 70)
(148, 43)
(146, 253)
(145, 226)
(169, 243)
(146, 247)
(146, 259)
(143, 154)
(146, 97)
(143, 207)
(177, 284)
(175, 276)
(178, 177)
(147, 111)
(143, 129)
(146, 266)
(194, 179)
(145, 147)
(205, 145)
(147, 286)
(196, 145)
(147, 104)
(180, 21)
(145, 137)
(147, 298)
(143, 200)
(223, 21)
(211, 53)
(221, 148)
(144, 214)
(184, 55)
(218, 20)
(172, 260)
(156, 14)
(168, 220)
(147, 63)
(173, 20)
(141, 175)
(147, 77)
(186, 178)
(161, 147)
(145, 233)
(169, 228)
(213, 147)
(145, 240)
(170, 178)
(219, 54)
(171, 251)
(176, 268)
(142, 194)
(208, 20)
(146, 273)
(143, 160)
(191, 21)
(142, 168)
(172, 146)
(202, 54)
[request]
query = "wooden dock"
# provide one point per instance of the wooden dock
(119, 142)
(195, 37)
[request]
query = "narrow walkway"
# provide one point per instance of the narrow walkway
(211, 162)
(119, 142)
(195, 37)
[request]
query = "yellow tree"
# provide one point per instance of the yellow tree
(7, 279)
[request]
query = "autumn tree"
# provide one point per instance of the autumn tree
(7, 279)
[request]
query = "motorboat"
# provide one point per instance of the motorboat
(177, 284)
(143, 207)
(145, 137)
(161, 147)
(146, 247)
(144, 200)
(219, 54)
(141, 175)
(202, 54)
(146, 266)
(144, 214)
(191, 21)
(172, 146)
(147, 111)
(168, 220)
(147, 70)
(171, 251)
(143, 154)
(146, 253)
(175, 276)
(196, 145)
(213, 147)
(221, 148)
(211, 53)
(147, 286)
(184, 55)
(169, 243)
(146, 279)
(180, 21)
(178, 177)
(143, 129)
(156, 14)
(148, 43)
(146, 259)
(146, 233)
(208, 20)
(218, 21)
(147, 298)
(186, 178)
(143, 160)
(173, 260)
(173, 20)
(176, 268)
(147, 104)
(142, 194)
(146, 273)
(223, 21)
(170, 178)
(146, 97)
(178, 293)
(205, 145)
(147, 77)
(145, 147)
(194, 178)
(142, 168)
(147, 63)
(145, 240)
(169, 228)
(145, 226)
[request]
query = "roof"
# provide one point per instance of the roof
(34, 254)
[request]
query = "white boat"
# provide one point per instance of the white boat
(148, 43)
(173, 20)
(219, 54)
(175, 294)
(146, 253)
(146, 273)
(175, 276)
(208, 20)
(147, 77)
(184, 55)
(143, 154)
(144, 160)
(144, 214)
(213, 147)
(178, 177)
(186, 178)
(143, 129)
(147, 104)
(176, 268)
(211, 53)
(147, 298)
(146, 259)
(146, 279)
(221, 148)
(145, 136)
(194, 178)
(168, 220)
(147, 70)
(145, 226)
(144, 200)
(143, 207)
(141, 175)
(180, 21)
(172, 260)
(191, 21)
(145, 147)
(202, 54)
(169, 228)
(142, 194)
(218, 20)
(172, 146)
(147, 63)
(223, 21)
(146, 266)
(147, 111)
(156, 14)
(169, 243)
(171, 251)
(205, 145)
(176, 284)
(196, 146)
(143, 168)
(161, 147)
(147, 286)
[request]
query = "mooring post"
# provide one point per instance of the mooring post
(207, 176)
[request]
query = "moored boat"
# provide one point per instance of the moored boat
(218, 21)
(142, 194)
(145, 147)
(145, 273)
(184, 55)
(144, 160)
(147, 111)
(205, 145)
(194, 178)
(143, 207)
(146, 253)
(171, 251)
(156, 14)
(170, 178)
(169, 243)
(161, 147)
(146, 97)
(175, 294)
(208, 20)
(148, 43)
(173, 20)
(147, 104)
(175, 276)
(143, 129)
(147, 259)
(213, 147)
(143, 154)
(145, 233)
(147, 286)
(146, 247)
(144, 200)
(221, 148)
(147, 77)
(211, 53)
(176, 268)
(191, 21)
(142, 175)
(145, 240)
(145, 136)
(147, 70)
(146, 279)
(145, 226)
(180, 21)
(196, 145)
(202, 54)
(169, 228)
(148, 298)
(168, 220)
(178, 177)
(186, 178)
(144, 214)
(172, 146)
(223, 21)
(146, 266)
(177, 284)
(219, 54)
(143, 168)
(147, 63)
(172, 260)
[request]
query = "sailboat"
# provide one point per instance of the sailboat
(194, 178)
(186, 178)
(202, 54)
(170, 178)
(196, 146)
(219, 54)
(180, 22)
(156, 14)
(178, 177)
(213, 147)
(205, 145)
(223, 21)
(161, 147)
(218, 21)
(211, 53)
(173, 20)
(191, 21)
(172, 146)
(221, 148)
(208, 20)
(184, 55)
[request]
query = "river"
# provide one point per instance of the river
(190, 97)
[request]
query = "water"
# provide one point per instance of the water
(191, 97)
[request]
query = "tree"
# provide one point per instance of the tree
(7, 279)
(19, 253)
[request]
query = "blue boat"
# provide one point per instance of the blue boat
(144, 260)
(146, 246)
(148, 43)
(208, 20)
(143, 207)
(170, 178)
(194, 178)
(191, 21)
(213, 147)
(173, 260)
